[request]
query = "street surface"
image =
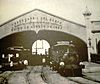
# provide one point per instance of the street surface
(40, 75)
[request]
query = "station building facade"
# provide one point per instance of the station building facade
(34, 25)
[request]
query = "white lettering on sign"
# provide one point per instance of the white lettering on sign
(36, 23)
(63, 42)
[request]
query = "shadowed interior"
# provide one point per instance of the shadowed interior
(27, 38)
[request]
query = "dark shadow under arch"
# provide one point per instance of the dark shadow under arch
(53, 36)
(23, 38)
(26, 39)
(98, 47)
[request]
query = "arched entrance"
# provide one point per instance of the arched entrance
(40, 47)
(27, 38)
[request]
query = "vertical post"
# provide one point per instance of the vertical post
(42, 44)
(36, 47)
(87, 15)
(96, 45)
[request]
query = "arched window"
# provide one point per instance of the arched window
(40, 47)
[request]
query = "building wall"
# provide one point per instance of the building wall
(37, 20)
(95, 36)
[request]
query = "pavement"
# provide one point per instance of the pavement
(91, 67)
(92, 72)
(32, 75)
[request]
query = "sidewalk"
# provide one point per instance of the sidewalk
(91, 67)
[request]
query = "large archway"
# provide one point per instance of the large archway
(27, 38)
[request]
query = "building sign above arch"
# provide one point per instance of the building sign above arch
(36, 23)
(37, 20)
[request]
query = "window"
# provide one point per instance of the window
(40, 47)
